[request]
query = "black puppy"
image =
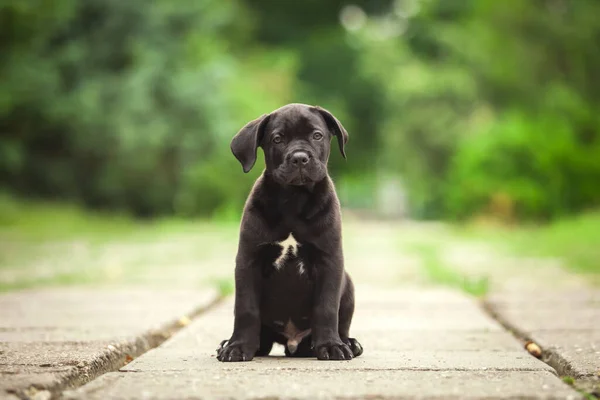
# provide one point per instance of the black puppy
(291, 286)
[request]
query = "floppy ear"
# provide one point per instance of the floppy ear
(244, 144)
(336, 127)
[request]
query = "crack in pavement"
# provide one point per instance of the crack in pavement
(551, 357)
(113, 357)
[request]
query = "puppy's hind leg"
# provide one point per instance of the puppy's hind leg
(345, 318)
(267, 337)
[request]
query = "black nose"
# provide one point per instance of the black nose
(300, 158)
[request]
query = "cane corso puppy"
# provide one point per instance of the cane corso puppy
(290, 284)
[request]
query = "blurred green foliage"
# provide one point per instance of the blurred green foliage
(493, 106)
(573, 241)
(478, 106)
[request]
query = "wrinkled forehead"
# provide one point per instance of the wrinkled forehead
(296, 121)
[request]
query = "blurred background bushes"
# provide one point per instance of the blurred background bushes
(455, 108)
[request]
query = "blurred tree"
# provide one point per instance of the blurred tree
(489, 99)
(114, 102)
(132, 104)
(329, 73)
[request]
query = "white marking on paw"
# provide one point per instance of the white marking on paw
(286, 244)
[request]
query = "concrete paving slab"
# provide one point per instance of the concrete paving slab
(403, 329)
(432, 340)
(410, 297)
(577, 348)
(507, 272)
(398, 340)
(42, 345)
(332, 384)
(47, 354)
(449, 316)
(424, 360)
(452, 321)
(93, 308)
(13, 379)
(185, 366)
(63, 334)
(546, 319)
(565, 325)
(371, 248)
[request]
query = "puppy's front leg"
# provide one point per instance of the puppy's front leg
(326, 338)
(244, 341)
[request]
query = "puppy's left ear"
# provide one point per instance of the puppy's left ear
(336, 127)
(245, 143)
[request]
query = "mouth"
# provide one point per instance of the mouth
(299, 179)
(299, 176)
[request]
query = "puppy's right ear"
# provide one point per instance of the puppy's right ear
(244, 144)
(336, 127)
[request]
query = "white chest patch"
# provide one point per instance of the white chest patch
(287, 245)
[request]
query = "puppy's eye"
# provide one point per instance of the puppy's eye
(317, 136)
(276, 139)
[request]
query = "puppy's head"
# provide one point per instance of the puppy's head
(296, 140)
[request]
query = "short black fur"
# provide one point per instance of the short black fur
(294, 195)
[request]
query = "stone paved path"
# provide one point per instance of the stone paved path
(564, 323)
(53, 338)
(418, 343)
(541, 301)
(420, 340)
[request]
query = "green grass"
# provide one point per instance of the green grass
(569, 380)
(225, 286)
(438, 272)
(29, 220)
(575, 241)
(44, 244)
(60, 279)
(47, 244)
(33, 220)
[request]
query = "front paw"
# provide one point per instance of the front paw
(235, 350)
(333, 351)
(355, 346)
